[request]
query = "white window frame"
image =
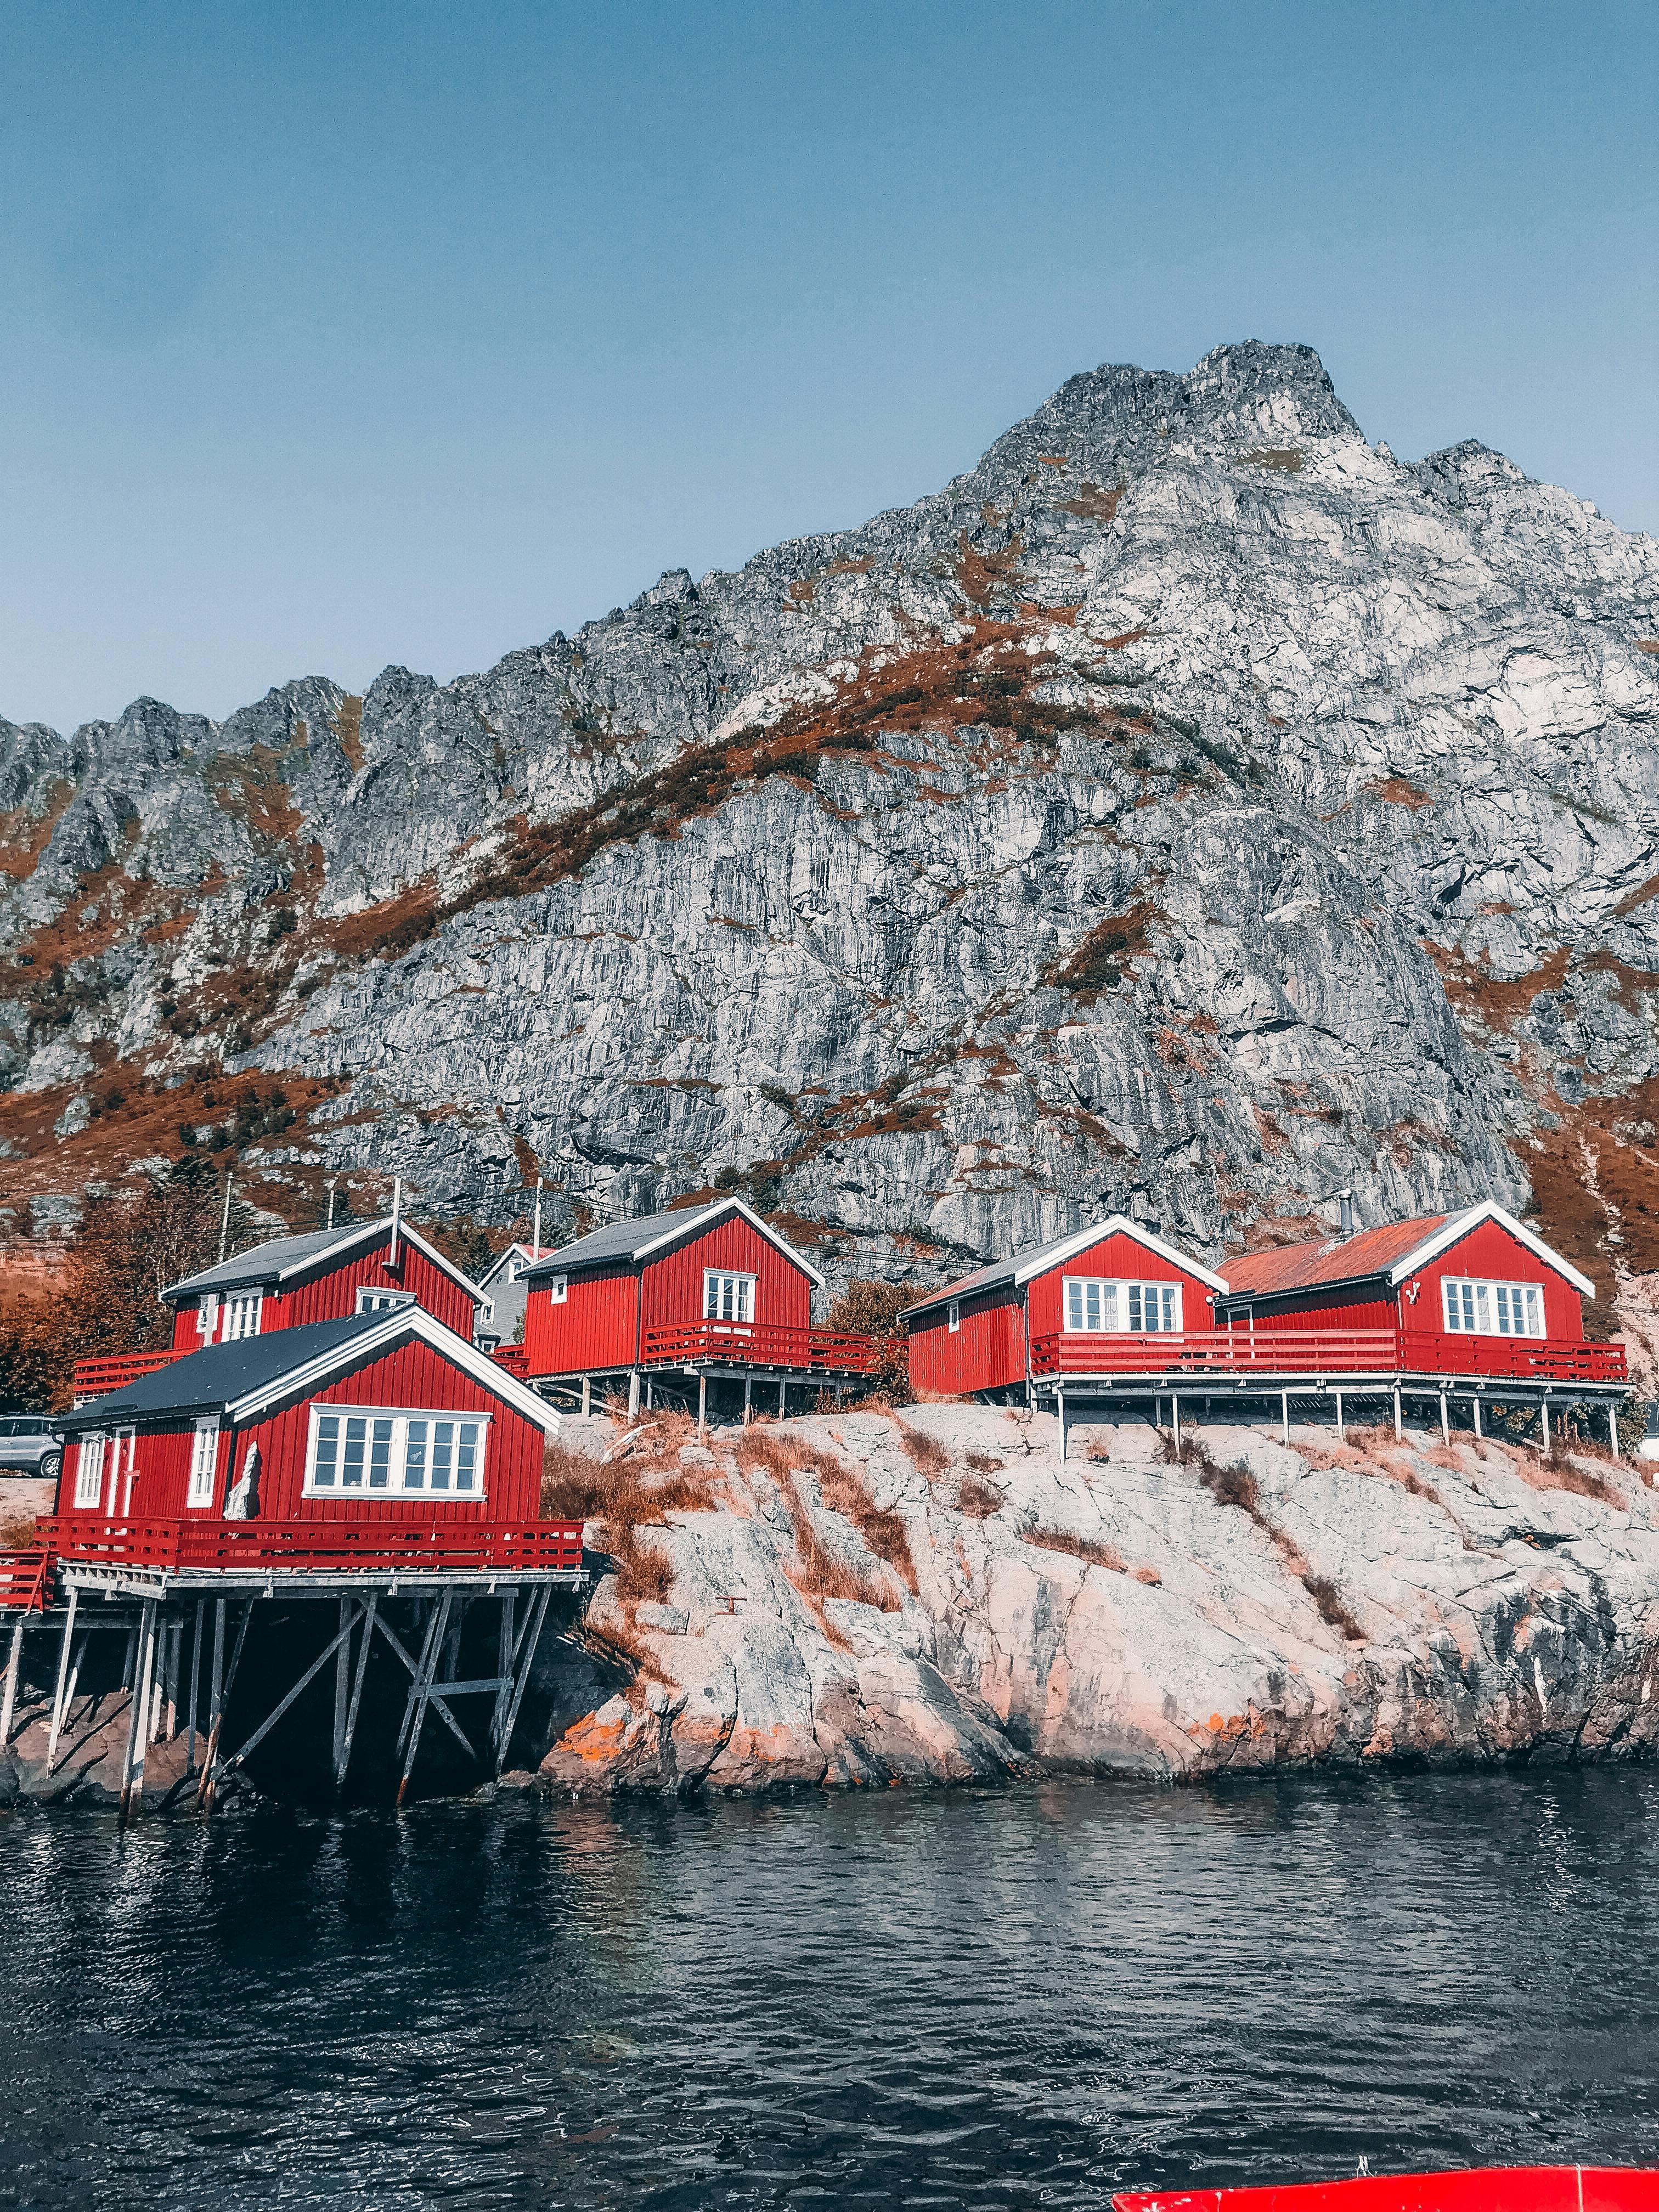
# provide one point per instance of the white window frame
(1473, 1306)
(953, 1315)
(90, 1470)
(396, 1440)
(1102, 1305)
(203, 1463)
(207, 1315)
(716, 1283)
(557, 1285)
(371, 1299)
(243, 1310)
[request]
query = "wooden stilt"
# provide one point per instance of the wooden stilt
(437, 1703)
(1175, 1416)
(1341, 1438)
(208, 1790)
(195, 1686)
(702, 1403)
(1445, 1420)
(171, 1648)
(60, 1701)
(14, 1666)
(1543, 1432)
(1399, 1423)
(506, 1648)
(132, 1769)
(650, 1394)
(748, 1401)
(1474, 1407)
(633, 1393)
(1613, 1426)
(342, 1689)
(530, 1637)
(587, 1395)
(357, 1693)
(1285, 1415)
(420, 1690)
(783, 1398)
(129, 1658)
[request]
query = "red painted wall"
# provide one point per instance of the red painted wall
(1116, 1259)
(412, 1377)
(1488, 1253)
(671, 1281)
(330, 1294)
(591, 1331)
(594, 1329)
(985, 1353)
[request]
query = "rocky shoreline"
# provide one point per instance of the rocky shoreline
(1245, 1607)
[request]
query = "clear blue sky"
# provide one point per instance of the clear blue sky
(338, 335)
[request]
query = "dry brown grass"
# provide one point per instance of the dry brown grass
(845, 1492)
(926, 1454)
(1149, 1576)
(819, 1574)
(984, 1462)
(623, 1496)
(1238, 1486)
(20, 1533)
(977, 1499)
(1091, 1549)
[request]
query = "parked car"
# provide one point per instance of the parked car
(29, 1446)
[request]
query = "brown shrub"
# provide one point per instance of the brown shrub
(977, 1499)
(985, 1462)
(765, 1450)
(1237, 1485)
(819, 1573)
(20, 1533)
(1566, 1473)
(1324, 1594)
(845, 1492)
(926, 1454)
(1149, 1576)
(1090, 1549)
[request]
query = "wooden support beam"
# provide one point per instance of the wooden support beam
(420, 1691)
(506, 1648)
(1445, 1420)
(132, 1765)
(1285, 1415)
(1543, 1430)
(344, 1759)
(702, 1403)
(1613, 1425)
(195, 1686)
(342, 1689)
(208, 1788)
(1399, 1423)
(14, 1668)
(1475, 1405)
(59, 1700)
(1341, 1437)
(1175, 1416)
(633, 1393)
(587, 1395)
(442, 1710)
(526, 1659)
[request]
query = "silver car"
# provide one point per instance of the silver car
(29, 1446)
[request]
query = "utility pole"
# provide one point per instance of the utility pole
(332, 1180)
(397, 1219)
(535, 1235)
(224, 1218)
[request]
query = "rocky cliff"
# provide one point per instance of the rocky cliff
(1191, 810)
(938, 1597)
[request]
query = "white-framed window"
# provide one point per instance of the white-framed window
(242, 1315)
(369, 1300)
(207, 1315)
(728, 1298)
(90, 1467)
(557, 1285)
(953, 1315)
(363, 1451)
(1094, 1307)
(1475, 1309)
(203, 1460)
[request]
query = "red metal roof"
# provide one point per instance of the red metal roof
(1332, 1260)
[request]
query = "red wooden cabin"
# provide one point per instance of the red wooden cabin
(387, 1417)
(290, 1282)
(1101, 1290)
(708, 1292)
(1471, 1293)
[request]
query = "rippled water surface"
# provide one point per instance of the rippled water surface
(939, 1999)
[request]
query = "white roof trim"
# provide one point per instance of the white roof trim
(1458, 1226)
(707, 1213)
(400, 1322)
(353, 1233)
(1115, 1224)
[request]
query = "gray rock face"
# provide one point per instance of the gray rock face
(1190, 809)
(1113, 1614)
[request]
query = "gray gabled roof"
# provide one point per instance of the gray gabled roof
(628, 1241)
(279, 1257)
(984, 1278)
(206, 1382)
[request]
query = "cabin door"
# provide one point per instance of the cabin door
(121, 1474)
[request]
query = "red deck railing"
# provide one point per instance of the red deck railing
(25, 1580)
(515, 1358)
(1228, 1352)
(96, 1378)
(760, 1344)
(204, 1546)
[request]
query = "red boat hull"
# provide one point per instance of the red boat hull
(1480, 2189)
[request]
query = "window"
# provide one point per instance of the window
(204, 1461)
(242, 1315)
(1093, 1307)
(396, 1454)
(207, 1315)
(555, 1289)
(728, 1298)
(1493, 1309)
(373, 1301)
(89, 1468)
(953, 1315)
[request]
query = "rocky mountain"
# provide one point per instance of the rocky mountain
(1191, 810)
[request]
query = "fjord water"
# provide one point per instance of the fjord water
(1000, 2000)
